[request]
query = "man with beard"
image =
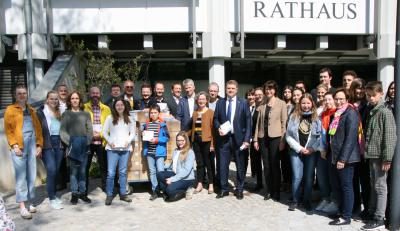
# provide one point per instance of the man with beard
(98, 113)
(146, 101)
(63, 177)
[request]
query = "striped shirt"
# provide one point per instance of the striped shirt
(96, 120)
(153, 126)
(197, 124)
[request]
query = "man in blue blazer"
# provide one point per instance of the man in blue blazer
(186, 106)
(235, 142)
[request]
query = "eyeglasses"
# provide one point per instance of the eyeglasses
(128, 86)
(340, 99)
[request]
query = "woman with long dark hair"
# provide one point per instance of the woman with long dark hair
(389, 98)
(119, 132)
(76, 132)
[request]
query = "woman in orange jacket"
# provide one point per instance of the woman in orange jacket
(24, 135)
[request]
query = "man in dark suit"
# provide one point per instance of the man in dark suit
(146, 101)
(237, 140)
(187, 105)
(173, 100)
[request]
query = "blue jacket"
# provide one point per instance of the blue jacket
(241, 122)
(184, 169)
(45, 130)
(292, 135)
(163, 138)
(344, 144)
(183, 114)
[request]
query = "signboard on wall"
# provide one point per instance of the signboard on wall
(309, 16)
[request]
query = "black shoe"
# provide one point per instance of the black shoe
(177, 196)
(222, 194)
(307, 206)
(267, 196)
(153, 196)
(340, 221)
(125, 198)
(293, 206)
(276, 197)
(374, 225)
(74, 199)
(257, 188)
(366, 216)
(239, 195)
(85, 198)
(109, 200)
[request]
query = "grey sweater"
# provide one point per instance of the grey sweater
(76, 124)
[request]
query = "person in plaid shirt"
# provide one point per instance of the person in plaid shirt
(98, 113)
(380, 145)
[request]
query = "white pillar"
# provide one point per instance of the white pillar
(386, 36)
(385, 72)
(216, 70)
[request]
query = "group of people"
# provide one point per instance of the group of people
(341, 139)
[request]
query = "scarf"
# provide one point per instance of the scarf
(325, 120)
(335, 123)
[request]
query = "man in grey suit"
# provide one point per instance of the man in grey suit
(187, 105)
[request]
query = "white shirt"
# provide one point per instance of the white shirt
(191, 104)
(176, 99)
(252, 109)
(62, 106)
(213, 105)
(119, 134)
(175, 160)
(233, 107)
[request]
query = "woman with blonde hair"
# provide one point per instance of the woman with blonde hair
(303, 137)
(179, 175)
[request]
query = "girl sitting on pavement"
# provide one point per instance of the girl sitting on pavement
(179, 176)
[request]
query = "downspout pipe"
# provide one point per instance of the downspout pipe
(29, 60)
(395, 192)
(194, 34)
(241, 29)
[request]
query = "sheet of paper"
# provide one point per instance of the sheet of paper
(148, 135)
(97, 127)
(226, 127)
(163, 107)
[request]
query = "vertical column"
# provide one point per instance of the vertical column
(216, 70)
(385, 29)
(39, 71)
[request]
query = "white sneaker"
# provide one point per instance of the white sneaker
(331, 208)
(189, 193)
(321, 205)
(58, 200)
(32, 209)
(55, 205)
(25, 214)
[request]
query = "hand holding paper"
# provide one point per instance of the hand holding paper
(148, 135)
(225, 128)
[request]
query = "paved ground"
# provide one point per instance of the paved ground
(203, 212)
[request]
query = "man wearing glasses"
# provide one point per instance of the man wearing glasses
(128, 92)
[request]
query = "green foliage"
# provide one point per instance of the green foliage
(100, 66)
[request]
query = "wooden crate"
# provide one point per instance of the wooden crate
(137, 166)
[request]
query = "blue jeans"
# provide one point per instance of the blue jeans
(156, 164)
(303, 167)
(25, 169)
(343, 183)
(113, 158)
(175, 187)
(78, 175)
(52, 158)
(323, 177)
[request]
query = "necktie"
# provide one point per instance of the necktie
(252, 110)
(229, 111)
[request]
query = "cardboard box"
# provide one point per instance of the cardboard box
(133, 175)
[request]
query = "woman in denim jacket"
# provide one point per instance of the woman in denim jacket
(303, 137)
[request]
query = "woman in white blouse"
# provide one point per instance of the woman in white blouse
(119, 132)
